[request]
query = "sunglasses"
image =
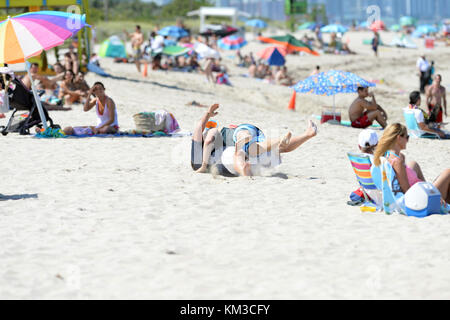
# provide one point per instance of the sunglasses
(407, 137)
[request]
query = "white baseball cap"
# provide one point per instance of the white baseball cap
(367, 138)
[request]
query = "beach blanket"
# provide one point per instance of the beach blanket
(346, 123)
(53, 133)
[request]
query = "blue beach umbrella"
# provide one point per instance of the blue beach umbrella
(336, 28)
(331, 83)
(256, 23)
(427, 28)
(173, 31)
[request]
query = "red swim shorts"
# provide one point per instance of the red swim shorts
(362, 122)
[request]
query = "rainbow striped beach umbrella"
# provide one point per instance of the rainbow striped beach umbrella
(231, 43)
(27, 35)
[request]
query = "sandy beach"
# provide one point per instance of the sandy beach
(127, 218)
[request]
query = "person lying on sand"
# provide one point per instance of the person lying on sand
(105, 109)
(362, 113)
(253, 150)
(204, 142)
(394, 140)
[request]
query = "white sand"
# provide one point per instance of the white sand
(128, 218)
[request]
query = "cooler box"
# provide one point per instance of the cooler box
(422, 200)
(429, 43)
(330, 115)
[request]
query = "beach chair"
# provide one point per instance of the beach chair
(393, 201)
(413, 127)
(362, 165)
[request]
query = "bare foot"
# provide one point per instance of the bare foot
(284, 143)
(202, 169)
(312, 129)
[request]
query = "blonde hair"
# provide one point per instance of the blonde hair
(387, 141)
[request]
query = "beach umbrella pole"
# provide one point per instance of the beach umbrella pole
(36, 97)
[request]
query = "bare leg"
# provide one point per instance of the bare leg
(378, 116)
(240, 165)
(415, 166)
(443, 184)
(294, 142)
(208, 71)
(108, 130)
(208, 147)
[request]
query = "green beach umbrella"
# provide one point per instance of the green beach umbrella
(395, 27)
(306, 26)
(175, 50)
(290, 42)
(407, 21)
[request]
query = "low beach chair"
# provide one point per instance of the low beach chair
(413, 127)
(361, 165)
(393, 196)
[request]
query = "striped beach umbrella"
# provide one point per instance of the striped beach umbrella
(27, 35)
(290, 43)
(231, 43)
(175, 51)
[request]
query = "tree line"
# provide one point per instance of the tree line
(136, 10)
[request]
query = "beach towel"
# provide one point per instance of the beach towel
(121, 134)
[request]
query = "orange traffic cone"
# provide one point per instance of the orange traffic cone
(145, 71)
(292, 102)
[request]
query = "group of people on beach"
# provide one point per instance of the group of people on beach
(66, 86)
(363, 112)
(152, 54)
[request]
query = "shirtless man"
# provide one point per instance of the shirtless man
(362, 113)
(45, 83)
(436, 98)
(137, 39)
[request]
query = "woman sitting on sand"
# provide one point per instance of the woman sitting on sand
(394, 140)
(106, 112)
(253, 150)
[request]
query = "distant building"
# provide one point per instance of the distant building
(347, 11)
(271, 9)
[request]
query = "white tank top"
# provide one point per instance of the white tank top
(103, 118)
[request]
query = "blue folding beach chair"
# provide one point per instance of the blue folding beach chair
(413, 127)
(385, 177)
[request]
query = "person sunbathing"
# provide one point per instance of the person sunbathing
(107, 122)
(362, 113)
(393, 141)
(69, 91)
(253, 150)
(421, 116)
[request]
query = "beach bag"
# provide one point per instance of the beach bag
(146, 121)
(4, 102)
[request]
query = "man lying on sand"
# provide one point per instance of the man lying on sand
(362, 113)
(106, 111)
(253, 150)
(240, 151)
